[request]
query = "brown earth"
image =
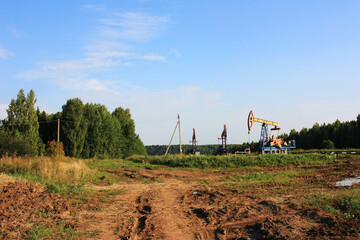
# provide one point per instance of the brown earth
(176, 204)
(24, 205)
(186, 204)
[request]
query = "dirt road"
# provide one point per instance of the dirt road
(180, 206)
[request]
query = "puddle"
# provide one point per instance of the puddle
(348, 182)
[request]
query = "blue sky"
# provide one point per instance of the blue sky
(294, 62)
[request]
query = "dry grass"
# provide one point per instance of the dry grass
(4, 179)
(65, 170)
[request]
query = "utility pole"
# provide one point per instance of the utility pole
(178, 123)
(179, 134)
(58, 135)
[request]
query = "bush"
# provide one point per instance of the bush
(14, 145)
(327, 144)
(55, 149)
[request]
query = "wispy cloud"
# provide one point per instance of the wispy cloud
(113, 45)
(111, 54)
(4, 54)
(133, 26)
(93, 7)
(175, 52)
(153, 58)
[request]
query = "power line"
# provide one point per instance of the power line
(56, 121)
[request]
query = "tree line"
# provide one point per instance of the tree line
(87, 130)
(336, 135)
(328, 136)
(209, 149)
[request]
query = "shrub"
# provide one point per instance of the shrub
(55, 149)
(327, 144)
(14, 145)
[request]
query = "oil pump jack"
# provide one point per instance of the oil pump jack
(223, 149)
(193, 148)
(270, 144)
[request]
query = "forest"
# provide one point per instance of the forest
(86, 130)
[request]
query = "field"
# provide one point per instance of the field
(180, 197)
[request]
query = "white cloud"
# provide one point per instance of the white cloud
(4, 54)
(94, 7)
(112, 54)
(133, 26)
(77, 64)
(153, 58)
(106, 51)
(67, 68)
(96, 85)
(175, 52)
(3, 108)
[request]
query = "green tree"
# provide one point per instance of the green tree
(104, 137)
(327, 144)
(358, 131)
(22, 121)
(73, 127)
(12, 144)
(132, 142)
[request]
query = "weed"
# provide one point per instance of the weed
(344, 203)
(94, 233)
(112, 191)
(39, 231)
(158, 179)
(60, 231)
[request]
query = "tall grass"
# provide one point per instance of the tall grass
(60, 171)
(234, 161)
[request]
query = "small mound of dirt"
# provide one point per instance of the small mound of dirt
(24, 204)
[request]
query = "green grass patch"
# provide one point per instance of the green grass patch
(60, 231)
(112, 191)
(94, 233)
(130, 162)
(234, 161)
(258, 179)
(344, 203)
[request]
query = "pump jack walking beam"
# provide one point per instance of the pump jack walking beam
(252, 119)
